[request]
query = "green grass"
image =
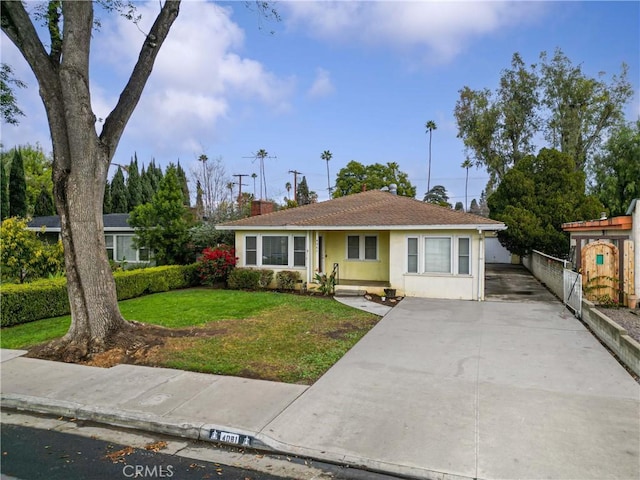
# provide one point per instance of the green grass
(266, 335)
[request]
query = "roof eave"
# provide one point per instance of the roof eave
(479, 227)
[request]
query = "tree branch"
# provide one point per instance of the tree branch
(117, 120)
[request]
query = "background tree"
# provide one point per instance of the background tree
(288, 187)
(23, 257)
(355, 177)
(467, 164)
(438, 196)
(163, 225)
(213, 180)
(616, 170)
(184, 184)
(4, 192)
(474, 207)
(536, 197)
(106, 201)
(146, 188)
(254, 176)
(37, 171)
(17, 187)
(558, 100)
(8, 103)
(119, 196)
(459, 207)
(133, 184)
(303, 195)
(81, 154)
(326, 155)
(44, 204)
(430, 126)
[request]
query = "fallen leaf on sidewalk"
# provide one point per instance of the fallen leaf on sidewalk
(156, 446)
(118, 455)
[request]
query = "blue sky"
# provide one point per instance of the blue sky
(357, 78)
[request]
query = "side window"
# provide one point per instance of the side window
(299, 251)
(353, 247)
(412, 255)
(251, 250)
(464, 256)
(370, 248)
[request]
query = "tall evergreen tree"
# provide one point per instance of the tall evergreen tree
(302, 195)
(4, 192)
(182, 178)
(134, 190)
(145, 186)
(199, 202)
(17, 187)
(106, 201)
(119, 202)
(44, 204)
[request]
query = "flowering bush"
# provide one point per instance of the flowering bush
(215, 264)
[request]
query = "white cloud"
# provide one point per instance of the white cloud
(197, 77)
(445, 28)
(322, 85)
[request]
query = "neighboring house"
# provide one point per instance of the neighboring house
(372, 240)
(608, 248)
(118, 236)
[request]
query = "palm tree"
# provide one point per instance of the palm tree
(326, 155)
(288, 187)
(466, 164)
(254, 176)
(262, 154)
(430, 126)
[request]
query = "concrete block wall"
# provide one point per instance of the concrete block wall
(613, 335)
(548, 270)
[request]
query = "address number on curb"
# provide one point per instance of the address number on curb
(229, 437)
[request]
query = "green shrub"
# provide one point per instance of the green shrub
(48, 298)
(287, 280)
(244, 279)
(32, 301)
(266, 277)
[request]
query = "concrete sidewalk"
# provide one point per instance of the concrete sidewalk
(438, 389)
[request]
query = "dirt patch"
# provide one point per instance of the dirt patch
(136, 345)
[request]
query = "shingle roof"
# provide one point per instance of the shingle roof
(371, 208)
(111, 220)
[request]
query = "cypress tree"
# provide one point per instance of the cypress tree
(302, 195)
(106, 201)
(182, 178)
(134, 190)
(145, 186)
(119, 203)
(17, 187)
(4, 193)
(44, 204)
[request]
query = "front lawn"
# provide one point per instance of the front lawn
(267, 335)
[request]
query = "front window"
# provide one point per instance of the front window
(275, 250)
(437, 255)
(464, 256)
(125, 249)
(362, 247)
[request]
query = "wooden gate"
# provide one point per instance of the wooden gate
(600, 278)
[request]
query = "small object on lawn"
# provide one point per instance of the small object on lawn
(384, 299)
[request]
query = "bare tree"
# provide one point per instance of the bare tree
(213, 180)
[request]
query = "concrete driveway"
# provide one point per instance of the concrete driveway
(458, 389)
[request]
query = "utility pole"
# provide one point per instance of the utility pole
(295, 183)
(240, 184)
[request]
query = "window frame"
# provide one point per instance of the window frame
(455, 255)
(362, 248)
(292, 252)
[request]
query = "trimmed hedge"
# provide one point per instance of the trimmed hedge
(244, 279)
(48, 298)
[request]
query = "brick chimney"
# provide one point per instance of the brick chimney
(261, 207)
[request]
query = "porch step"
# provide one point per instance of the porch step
(346, 291)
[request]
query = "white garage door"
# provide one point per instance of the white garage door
(496, 253)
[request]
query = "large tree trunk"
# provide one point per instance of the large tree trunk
(81, 157)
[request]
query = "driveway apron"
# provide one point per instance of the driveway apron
(459, 389)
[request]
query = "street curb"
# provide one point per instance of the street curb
(155, 424)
